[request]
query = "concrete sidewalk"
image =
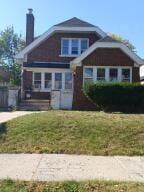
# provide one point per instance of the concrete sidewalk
(6, 116)
(52, 167)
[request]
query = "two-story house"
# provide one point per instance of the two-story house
(56, 64)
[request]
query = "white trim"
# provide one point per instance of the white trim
(107, 70)
(21, 55)
(124, 48)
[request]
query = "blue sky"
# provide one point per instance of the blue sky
(123, 17)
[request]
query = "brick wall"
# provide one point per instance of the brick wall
(50, 49)
(100, 57)
(27, 82)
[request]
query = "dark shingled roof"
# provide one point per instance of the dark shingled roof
(74, 22)
(47, 65)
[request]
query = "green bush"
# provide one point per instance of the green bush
(116, 96)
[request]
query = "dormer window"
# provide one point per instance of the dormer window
(73, 47)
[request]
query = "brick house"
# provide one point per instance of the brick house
(56, 64)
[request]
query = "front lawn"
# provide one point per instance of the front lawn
(71, 186)
(74, 132)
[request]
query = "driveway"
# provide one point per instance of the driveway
(56, 167)
(6, 116)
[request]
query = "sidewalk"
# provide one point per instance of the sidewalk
(52, 167)
(6, 116)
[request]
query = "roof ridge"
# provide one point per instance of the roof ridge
(75, 22)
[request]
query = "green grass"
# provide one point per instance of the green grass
(70, 186)
(74, 132)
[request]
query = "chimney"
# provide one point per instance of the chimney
(29, 27)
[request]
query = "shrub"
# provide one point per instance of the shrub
(116, 96)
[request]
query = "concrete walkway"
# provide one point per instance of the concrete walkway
(45, 167)
(6, 116)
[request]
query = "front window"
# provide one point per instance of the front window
(65, 47)
(68, 80)
(48, 80)
(88, 75)
(58, 80)
(126, 75)
(113, 74)
(101, 74)
(37, 80)
(74, 48)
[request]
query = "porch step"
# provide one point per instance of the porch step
(34, 105)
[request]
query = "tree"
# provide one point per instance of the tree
(125, 41)
(10, 44)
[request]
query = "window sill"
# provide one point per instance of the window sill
(50, 90)
(69, 55)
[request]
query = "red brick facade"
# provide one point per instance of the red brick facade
(100, 57)
(50, 49)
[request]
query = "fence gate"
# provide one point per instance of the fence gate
(3, 97)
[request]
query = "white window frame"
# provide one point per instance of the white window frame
(47, 80)
(130, 73)
(107, 68)
(70, 46)
(88, 77)
(37, 80)
(52, 71)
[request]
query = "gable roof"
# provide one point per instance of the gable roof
(107, 44)
(75, 22)
(76, 25)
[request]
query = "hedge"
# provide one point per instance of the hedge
(116, 96)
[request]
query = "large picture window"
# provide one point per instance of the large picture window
(37, 80)
(58, 81)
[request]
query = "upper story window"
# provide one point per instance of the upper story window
(73, 46)
(84, 45)
(65, 47)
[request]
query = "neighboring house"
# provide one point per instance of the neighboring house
(4, 76)
(57, 63)
(142, 74)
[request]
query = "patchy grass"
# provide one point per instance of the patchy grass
(74, 132)
(70, 186)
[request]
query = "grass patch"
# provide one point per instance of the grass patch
(70, 186)
(74, 132)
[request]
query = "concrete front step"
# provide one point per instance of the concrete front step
(35, 105)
